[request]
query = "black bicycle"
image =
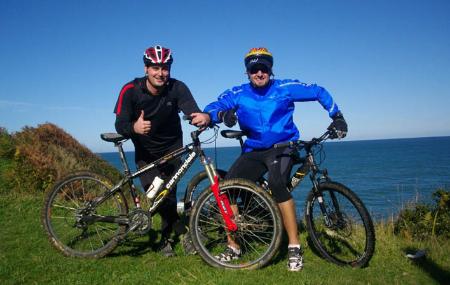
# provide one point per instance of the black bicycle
(338, 223)
(85, 215)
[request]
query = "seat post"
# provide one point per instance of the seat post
(123, 159)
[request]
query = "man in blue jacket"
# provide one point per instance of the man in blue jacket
(264, 109)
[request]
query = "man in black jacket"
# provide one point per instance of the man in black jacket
(147, 112)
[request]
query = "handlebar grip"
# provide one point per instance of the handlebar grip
(283, 144)
(187, 118)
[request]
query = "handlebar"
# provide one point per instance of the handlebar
(284, 144)
(195, 134)
(305, 144)
(300, 143)
(187, 118)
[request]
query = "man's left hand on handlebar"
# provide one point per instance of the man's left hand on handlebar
(338, 127)
(200, 119)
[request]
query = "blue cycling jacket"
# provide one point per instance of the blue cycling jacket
(266, 115)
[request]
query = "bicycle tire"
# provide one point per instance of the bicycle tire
(64, 203)
(350, 240)
(259, 225)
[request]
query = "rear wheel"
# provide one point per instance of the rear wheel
(347, 235)
(257, 217)
(73, 226)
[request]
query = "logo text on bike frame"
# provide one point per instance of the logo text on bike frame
(182, 169)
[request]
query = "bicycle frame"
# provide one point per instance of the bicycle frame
(329, 201)
(299, 145)
(309, 159)
(314, 170)
(193, 151)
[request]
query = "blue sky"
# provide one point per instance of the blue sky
(386, 63)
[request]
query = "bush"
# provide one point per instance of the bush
(40, 156)
(6, 144)
(7, 150)
(423, 221)
(441, 226)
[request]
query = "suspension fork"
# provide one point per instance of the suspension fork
(321, 201)
(337, 209)
(222, 199)
(316, 191)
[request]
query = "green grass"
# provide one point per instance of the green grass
(26, 257)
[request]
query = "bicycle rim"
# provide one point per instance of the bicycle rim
(349, 239)
(64, 209)
(258, 221)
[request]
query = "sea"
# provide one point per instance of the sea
(388, 175)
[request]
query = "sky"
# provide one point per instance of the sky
(386, 63)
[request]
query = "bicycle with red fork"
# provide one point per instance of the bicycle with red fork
(85, 215)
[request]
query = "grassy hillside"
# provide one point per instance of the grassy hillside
(33, 159)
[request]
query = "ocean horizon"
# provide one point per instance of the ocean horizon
(387, 174)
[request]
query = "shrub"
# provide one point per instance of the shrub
(45, 154)
(6, 144)
(441, 224)
(7, 150)
(425, 220)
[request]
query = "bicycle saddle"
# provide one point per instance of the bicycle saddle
(232, 134)
(112, 137)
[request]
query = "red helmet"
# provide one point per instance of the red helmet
(158, 55)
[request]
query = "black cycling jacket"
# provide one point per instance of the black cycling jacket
(162, 110)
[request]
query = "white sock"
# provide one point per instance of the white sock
(293, 246)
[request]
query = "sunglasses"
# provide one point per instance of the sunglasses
(254, 69)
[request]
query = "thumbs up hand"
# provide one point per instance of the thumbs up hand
(141, 126)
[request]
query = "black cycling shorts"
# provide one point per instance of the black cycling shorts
(277, 162)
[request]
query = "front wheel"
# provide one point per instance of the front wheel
(259, 225)
(73, 226)
(344, 234)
